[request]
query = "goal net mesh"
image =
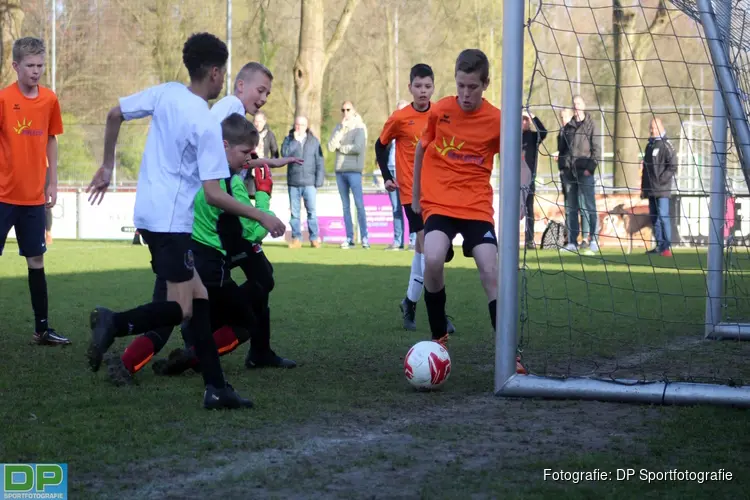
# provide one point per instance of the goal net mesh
(620, 312)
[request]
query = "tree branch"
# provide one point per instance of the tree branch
(657, 26)
(341, 27)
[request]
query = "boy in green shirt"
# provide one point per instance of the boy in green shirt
(218, 240)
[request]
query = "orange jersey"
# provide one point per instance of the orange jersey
(405, 125)
(457, 165)
(25, 127)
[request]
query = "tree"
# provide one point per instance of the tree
(313, 56)
(631, 47)
(11, 18)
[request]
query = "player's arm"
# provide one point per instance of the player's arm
(51, 184)
(252, 230)
(54, 128)
(428, 136)
(381, 155)
(381, 147)
(103, 176)
(212, 167)
(273, 162)
(416, 189)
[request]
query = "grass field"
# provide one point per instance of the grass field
(345, 424)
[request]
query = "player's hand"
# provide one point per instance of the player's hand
(99, 185)
(50, 195)
(391, 185)
(263, 180)
(274, 225)
(416, 206)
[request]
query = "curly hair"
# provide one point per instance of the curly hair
(201, 52)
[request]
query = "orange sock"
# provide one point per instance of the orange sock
(225, 340)
(139, 352)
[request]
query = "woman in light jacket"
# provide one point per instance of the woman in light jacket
(348, 141)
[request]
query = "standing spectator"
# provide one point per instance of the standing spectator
(348, 141)
(579, 150)
(303, 180)
(531, 139)
(267, 147)
(659, 167)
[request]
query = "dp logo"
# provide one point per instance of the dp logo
(34, 481)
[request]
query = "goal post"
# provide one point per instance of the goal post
(510, 384)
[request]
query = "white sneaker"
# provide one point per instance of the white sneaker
(594, 247)
(346, 245)
(570, 247)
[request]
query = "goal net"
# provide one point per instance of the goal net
(605, 311)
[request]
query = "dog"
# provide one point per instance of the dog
(633, 221)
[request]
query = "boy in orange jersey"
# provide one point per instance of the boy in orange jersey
(405, 126)
(452, 169)
(30, 120)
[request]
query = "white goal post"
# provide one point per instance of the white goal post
(510, 384)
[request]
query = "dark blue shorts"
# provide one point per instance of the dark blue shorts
(29, 223)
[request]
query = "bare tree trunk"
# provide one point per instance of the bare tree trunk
(11, 18)
(630, 49)
(313, 57)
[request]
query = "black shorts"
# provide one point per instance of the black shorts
(212, 265)
(474, 232)
(256, 266)
(29, 222)
(171, 255)
(415, 220)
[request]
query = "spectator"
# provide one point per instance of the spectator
(657, 177)
(303, 180)
(531, 139)
(348, 141)
(566, 114)
(578, 160)
(267, 147)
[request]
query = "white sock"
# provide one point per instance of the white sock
(416, 278)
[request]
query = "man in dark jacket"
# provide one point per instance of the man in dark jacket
(303, 180)
(531, 139)
(579, 153)
(657, 177)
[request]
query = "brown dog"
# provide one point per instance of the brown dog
(633, 221)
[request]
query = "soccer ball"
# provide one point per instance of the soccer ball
(427, 365)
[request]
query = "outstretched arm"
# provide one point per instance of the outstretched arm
(100, 183)
(416, 189)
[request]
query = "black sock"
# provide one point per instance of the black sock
(435, 303)
(38, 289)
(151, 316)
(493, 313)
(260, 342)
(205, 347)
(159, 337)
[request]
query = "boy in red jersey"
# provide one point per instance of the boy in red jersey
(30, 120)
(405, 126)
(452, 168)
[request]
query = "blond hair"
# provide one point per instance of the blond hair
(27, 46)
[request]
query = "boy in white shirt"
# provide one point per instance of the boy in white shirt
(184, 151)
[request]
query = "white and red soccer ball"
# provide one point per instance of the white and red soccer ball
(427, 365)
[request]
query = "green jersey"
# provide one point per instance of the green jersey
(207, 228)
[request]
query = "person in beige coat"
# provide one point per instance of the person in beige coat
(349, 140)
